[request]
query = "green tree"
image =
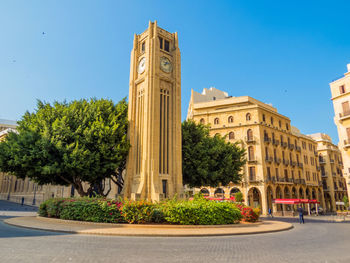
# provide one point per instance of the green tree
(76, 143)
(209, 161)
(239, 197)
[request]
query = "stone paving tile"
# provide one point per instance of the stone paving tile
(314, 242)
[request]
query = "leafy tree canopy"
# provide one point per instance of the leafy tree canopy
(209, 161)
(74, 143)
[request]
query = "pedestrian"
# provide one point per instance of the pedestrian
(270, 213)
(301, 215)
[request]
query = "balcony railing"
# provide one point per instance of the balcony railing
(300, 181)
(325, 188)
(267, 139)
(324, 174)
(277, 160)
(275, 142)
(252, 160)
(253, 179)
(293, 163)
(331, 160)
(285, 162)
(269, 159)
(347, 143)
(334, 174)
(318, 168)
(298, 148)
(300, 165)
(249, 139)
(344, 115)
(291, 146)
(284, 144)
(321, 161)
(315, 153)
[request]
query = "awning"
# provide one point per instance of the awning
(295, 201)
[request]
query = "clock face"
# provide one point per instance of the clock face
(142, 65)
(166, 65)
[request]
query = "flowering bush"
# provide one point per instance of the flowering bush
(248, 214)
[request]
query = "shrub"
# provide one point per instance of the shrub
(201, 212)
(141, 212)
(239, 197)
(83, 209)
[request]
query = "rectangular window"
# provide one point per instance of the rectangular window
(166, 45)
(348, 133)
(160, 43)
(346, 108)
(143, 47)
(268, 172)
(342, 89)
(276, 172)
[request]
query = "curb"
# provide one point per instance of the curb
(68, 226)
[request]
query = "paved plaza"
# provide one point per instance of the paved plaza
(316, 241)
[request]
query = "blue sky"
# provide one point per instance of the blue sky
(280, 52)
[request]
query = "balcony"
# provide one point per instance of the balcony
(300, 181)
(285, 162)
(250, 139)
(326, 188)
(322, 161)
(346, 144)
(298, 148)
(315, 153)
(292, 163)
(291, 146)
(285, 180)
(344, 115)
(300, 165)
(275, 142)
(252, 160)
(270, 179)
(267, 139)
(284, 144)
(324, 174)
(318, 168)
(269, 159)
(277, 160)
(331, 160)
(334, 174)
(253, 179)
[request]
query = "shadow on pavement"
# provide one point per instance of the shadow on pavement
(8, 210)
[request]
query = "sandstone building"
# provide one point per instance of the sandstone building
(340, 89)
(330, 161)
(281, 162)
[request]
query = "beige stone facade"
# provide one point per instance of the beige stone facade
(281, 162)
(340, 89)
(154, 169)
(330, 161)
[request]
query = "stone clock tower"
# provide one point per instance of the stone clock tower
(154, 168)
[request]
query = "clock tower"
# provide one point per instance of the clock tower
(154, 166)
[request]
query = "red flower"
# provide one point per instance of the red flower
(111, 213)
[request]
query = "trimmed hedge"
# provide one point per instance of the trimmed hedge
(199, 211)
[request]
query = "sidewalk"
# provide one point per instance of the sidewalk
(76, 227)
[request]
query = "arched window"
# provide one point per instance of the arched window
(202, 121)
(230, 119)
(248, 117)
(205, 192)
(250, 135)
(219, 192)
(231, 135)
(216, 121)
(251, 153)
